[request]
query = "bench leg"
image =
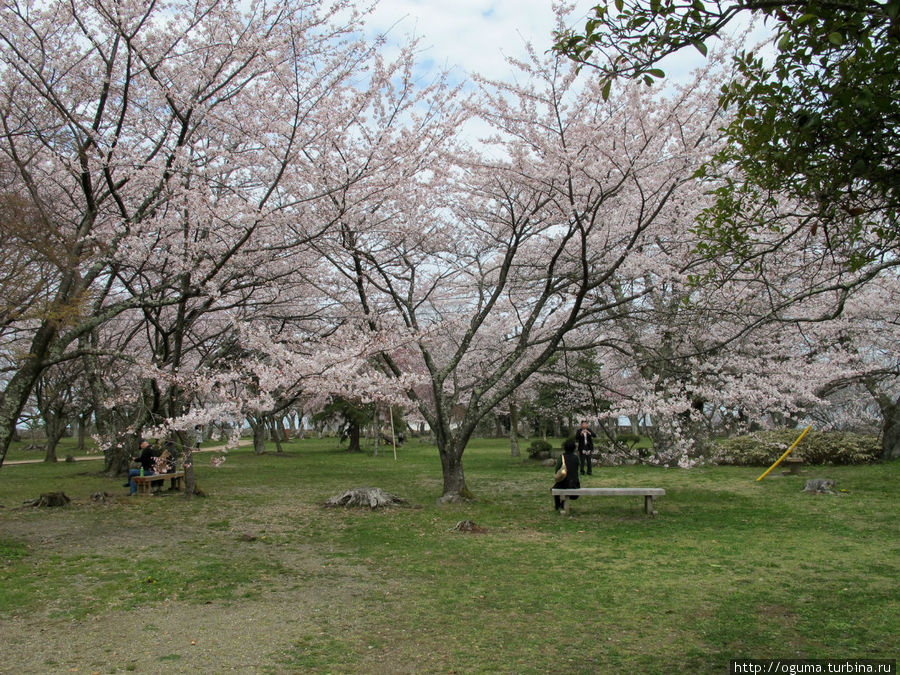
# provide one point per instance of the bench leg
(566, 505)
(648, 505)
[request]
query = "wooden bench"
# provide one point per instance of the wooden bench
(143, 482)
(647, 493)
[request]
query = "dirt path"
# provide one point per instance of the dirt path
(87, 458)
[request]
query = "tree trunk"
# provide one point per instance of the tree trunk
(54, 433)
(455, 488)
(514, 429)
(274, 425)
(890, 430)
(376, 431)
(353, 435)
(259, 436)
(635, 425)
(117, 458)
(15, 395)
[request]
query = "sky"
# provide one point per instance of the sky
(476, 36)
(468, 36)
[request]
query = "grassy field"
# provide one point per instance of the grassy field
(258, 577)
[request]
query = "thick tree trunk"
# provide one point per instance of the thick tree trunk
(53, 436)
(117, 458)
(275, 426)
(184, 451)
(455, 488)
(353, 435)
(16, 393)
(259, 436)
(890, 431)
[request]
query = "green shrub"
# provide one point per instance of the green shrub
(539, 448)
(817, 447)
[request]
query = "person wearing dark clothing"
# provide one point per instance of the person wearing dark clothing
(147, 460)
(570, 481)
(584, 437)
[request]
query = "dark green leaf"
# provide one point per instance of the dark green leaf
(604, 92)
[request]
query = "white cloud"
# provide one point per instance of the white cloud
(471, 36)
(476, 36)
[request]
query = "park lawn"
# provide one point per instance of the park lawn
(259, 576)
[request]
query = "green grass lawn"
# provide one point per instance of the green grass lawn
(259, 576)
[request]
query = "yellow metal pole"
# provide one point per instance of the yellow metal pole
(786, 453)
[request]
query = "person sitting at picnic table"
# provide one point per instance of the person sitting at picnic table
(147, 462)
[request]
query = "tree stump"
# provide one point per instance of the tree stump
(50, 499)
(820, 486)
(468, 526)
(371, 497)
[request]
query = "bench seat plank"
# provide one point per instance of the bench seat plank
(647, 493)
(656, 492)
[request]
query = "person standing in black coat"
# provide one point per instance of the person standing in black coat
(570, 481)
(585, 439)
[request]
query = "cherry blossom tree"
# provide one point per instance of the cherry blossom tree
(514, 250)
(751, 340)
(167, 148)
(864, 339)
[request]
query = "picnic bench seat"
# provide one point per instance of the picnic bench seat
(647, 493)
(143, 483)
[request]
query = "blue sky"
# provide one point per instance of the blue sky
(469, 36)
(476, 36)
